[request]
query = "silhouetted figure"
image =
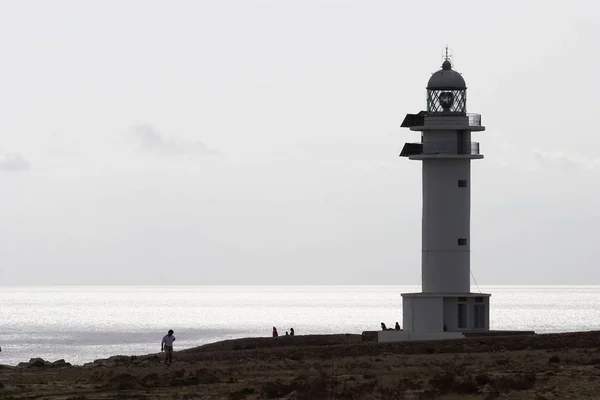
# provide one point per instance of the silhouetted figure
(383, 327)
(275, 334)
(286, 333)
(167, 346)
(291, 331)
(397, 327)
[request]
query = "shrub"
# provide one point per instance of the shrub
(514, 382)
(241, 394)
(443, 382)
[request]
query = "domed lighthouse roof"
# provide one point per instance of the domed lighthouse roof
(446, 79)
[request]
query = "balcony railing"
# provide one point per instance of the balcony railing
(441, 148)
(453, 120)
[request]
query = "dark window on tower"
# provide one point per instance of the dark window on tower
(462, 183)
(462, 241)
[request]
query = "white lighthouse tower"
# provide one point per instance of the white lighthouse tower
(445, 307)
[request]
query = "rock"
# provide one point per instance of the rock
(61, 363)
(37, 362)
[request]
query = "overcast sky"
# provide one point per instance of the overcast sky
(257, 142)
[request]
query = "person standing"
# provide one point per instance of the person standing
(167, 346)
(275, 334)
(292, 332)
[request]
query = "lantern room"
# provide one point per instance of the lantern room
(447, 91)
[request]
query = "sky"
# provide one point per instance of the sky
(256, 142)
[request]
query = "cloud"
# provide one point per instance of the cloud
(563, 160)
(13, 162)
(152, 140)
(532, 159)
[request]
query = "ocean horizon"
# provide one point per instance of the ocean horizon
(84, 323)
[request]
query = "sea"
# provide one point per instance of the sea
(82, 324)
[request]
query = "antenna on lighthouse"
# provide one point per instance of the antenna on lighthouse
(447, 56)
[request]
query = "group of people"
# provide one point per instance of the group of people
(276, 334)
(166, 345)
(385, 328)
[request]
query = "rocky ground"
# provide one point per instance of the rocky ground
(555, 366)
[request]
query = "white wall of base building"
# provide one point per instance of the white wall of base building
(424, 312)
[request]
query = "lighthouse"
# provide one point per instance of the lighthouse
(445, 307)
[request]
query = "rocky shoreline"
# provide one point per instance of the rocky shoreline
(345, 366)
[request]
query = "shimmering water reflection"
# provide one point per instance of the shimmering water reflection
(81, 324)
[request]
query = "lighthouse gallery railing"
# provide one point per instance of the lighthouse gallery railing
(439, 119)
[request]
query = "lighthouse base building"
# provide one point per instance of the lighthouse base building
(445, 308)
(444, 315)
